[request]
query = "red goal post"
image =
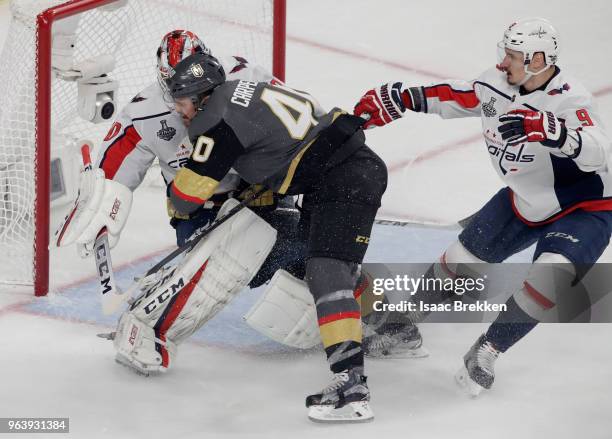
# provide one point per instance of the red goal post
(222, 15)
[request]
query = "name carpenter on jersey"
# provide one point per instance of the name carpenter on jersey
(243, 93)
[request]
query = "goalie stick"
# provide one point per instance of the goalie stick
(461, 224)
(191, 243)
(112, 297)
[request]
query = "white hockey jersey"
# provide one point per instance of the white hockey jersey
(545, 183)
(148, 127)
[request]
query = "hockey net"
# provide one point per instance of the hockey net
(131, 32)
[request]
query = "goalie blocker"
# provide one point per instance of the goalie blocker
(101, 204)
(186, 296)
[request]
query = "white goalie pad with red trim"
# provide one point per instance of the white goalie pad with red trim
(286, 312)
(188, 295)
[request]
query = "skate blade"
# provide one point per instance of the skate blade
(131, 366)
(401, 354)
(107, 335)
(467, 384)
(352, 412)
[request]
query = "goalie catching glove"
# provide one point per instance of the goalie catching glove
(100, 204)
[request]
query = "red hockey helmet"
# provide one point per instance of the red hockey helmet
(174, 47)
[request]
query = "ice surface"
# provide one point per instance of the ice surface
(229, 380)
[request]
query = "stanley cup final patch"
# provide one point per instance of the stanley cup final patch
(489, 109)
(166, 133)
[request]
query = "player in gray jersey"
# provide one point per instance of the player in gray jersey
(148, 128)
(281, 137)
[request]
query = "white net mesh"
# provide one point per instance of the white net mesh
(132, 34)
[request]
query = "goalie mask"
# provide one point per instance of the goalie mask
(196, 77)
(175, 46)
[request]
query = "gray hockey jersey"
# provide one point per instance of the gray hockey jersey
(258, 129)
(148, 127)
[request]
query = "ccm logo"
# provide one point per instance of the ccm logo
(363, 239)
(115, 209)
(133, 335)
(164, 295)
(103, 269)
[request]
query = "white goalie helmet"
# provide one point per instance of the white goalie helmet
(529, 36)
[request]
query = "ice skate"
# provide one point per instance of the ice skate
(136, 367)
(478, 371)
(345, 399)
(403, 341)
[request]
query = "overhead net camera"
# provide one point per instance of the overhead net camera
(96, 90)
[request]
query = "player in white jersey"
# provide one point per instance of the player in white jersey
(547, 143)
(148, 127)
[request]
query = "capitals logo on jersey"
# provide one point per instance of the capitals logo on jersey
(513, 157)
(508, 158)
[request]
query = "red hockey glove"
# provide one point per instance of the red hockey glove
(381, 105)
(518, 126)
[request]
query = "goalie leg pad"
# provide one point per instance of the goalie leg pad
(286, 312)
(210, 275)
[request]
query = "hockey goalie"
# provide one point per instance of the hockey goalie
(175, 301)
